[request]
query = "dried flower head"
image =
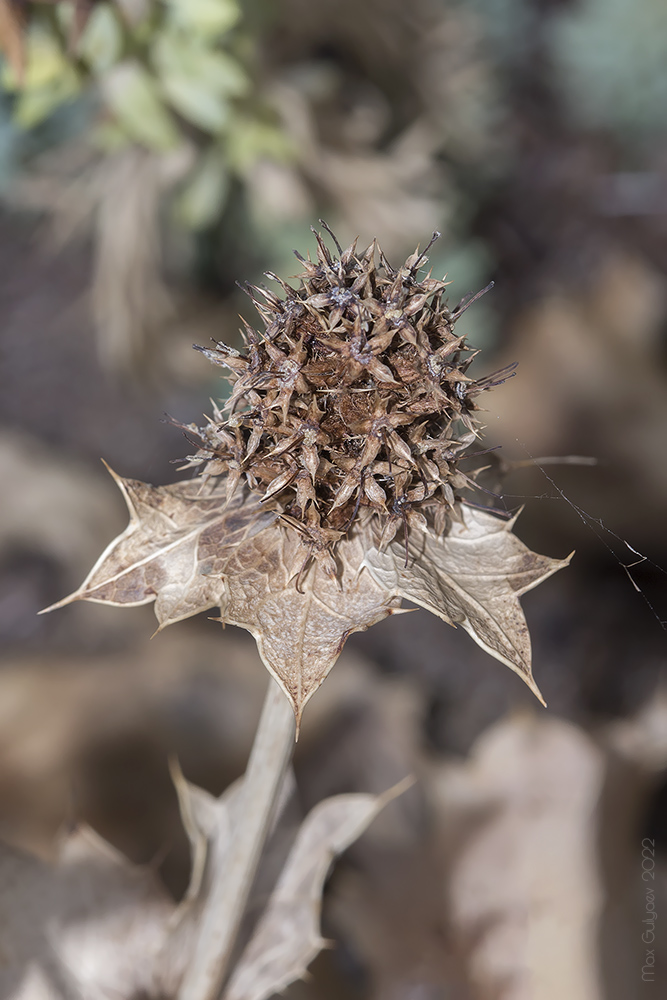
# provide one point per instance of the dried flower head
(354, 398)
(347, 418)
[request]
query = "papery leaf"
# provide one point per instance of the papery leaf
(287, 937)
(89, 926)
(164, 554)
(188, 550)
(300, 633)
(208, 822)
(472, 576)
(525, 888)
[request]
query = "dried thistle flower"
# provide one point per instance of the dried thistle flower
(353, 400)
(347, 418)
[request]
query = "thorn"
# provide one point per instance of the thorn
(331, 234)
(398, 789)
(468, 300)
(436, 236)
(63, 602)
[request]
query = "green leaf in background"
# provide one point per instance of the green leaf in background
(199, 105)
(205, 191)
(133, 97)
(207, 17)
(101, 43)
(48, 82)
(250, 140)
(610, 58)
(109, 137)
(198, 81)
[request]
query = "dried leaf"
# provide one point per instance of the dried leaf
(526, 889)
(208, 822)
(287, 937)
(188, 550)
(473, 576)
(158, 556)
(88, 927)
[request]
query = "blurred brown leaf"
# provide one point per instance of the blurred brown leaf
(473, 576)
(525, 889)
(89, 926)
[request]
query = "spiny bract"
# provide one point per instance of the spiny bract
(354, 398)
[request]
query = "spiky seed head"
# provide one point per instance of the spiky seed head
(352, 401)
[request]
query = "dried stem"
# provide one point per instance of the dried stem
(269, 759)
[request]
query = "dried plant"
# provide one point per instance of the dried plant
(330, 484)
(330, 489)
(354, 399)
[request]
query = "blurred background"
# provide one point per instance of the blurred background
(155, 152)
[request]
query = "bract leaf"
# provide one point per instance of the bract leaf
(287, 937)
(473, 576)
(208, 822)
(188, 549)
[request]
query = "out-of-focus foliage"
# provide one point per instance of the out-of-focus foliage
(163, 75)
(214, 97)
(610, 60)
(171, 109)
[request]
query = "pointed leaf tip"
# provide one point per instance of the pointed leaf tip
(189, 548)
(287, 936)
(473, 577)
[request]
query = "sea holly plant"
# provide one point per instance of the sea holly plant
(329, 488)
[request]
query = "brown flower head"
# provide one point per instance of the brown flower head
(353, 399)
(347, 418)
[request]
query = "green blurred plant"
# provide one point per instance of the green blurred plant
(175, 115)
(165, 74)
(610, 62)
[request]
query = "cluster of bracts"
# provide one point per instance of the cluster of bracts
(353, 399)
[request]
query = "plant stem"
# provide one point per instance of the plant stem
(269, 759)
